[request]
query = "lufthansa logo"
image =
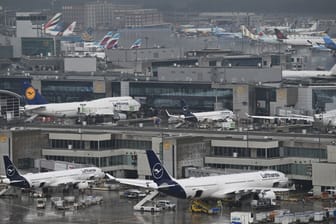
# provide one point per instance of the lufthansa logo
(30, 93)
(10, 170)
(157, 171)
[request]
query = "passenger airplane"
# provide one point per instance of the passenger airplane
(136, 44)
(37, 105)
(327, 119)
(287, 74)
(303, 40)
(208, 116)
(79, 178)
(211, 187)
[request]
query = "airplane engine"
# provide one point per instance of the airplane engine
(5, 181)
(82, 185)
(268, 195)
(120, 116)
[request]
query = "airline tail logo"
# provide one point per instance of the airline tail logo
(157, 171)
(105, 39)
(136, 44)
(113, 42)
(10, 171)
(30, 93)
(53, 21)
(279, 34)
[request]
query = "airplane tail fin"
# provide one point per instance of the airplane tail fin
(333, 70)
(53, 21)
(70, 29)
(88, 35)
(113, 42)
(13, 174)
(279, 34)
(32, 95)
(105, 39)
(247, 33)
(159, 173)
(136, 44)
(328, 40)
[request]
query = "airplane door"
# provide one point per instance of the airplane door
(198, 193)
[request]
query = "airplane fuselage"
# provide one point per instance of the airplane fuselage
(57, 178)
(224, 186)
(103, 106)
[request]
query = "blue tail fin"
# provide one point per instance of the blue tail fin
(32, 96)
(13, 174)
(161, 177)
(159, 173)
(329, 43)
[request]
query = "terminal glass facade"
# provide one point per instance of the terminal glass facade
(69, 91)
(199, 97)
(39, 46)
(323, 97)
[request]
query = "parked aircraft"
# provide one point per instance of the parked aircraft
(303, 40)
(286, 74)
(136, 44)
(112, 106)
(199, 117)
(200, 31)
(328, 119)
(79, 178)
(210, 187)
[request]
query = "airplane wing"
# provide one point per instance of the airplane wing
(293, 117)
(137, 183)
(33, 108)
(134, 182)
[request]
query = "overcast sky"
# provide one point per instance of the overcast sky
(303, 6)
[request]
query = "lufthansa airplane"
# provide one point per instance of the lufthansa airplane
(78, 178)
(214, 187)
(38, 105)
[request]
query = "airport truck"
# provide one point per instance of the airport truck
(241, 217)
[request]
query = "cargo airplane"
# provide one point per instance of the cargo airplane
(79, 178)
(210, 187)
(112, 106)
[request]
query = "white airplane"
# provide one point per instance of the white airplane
(79, 178)
(37, 105)
(210, 187)
(287, 74)
(300, 40)
(199, 117)
(327, 119)
(297, 117)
